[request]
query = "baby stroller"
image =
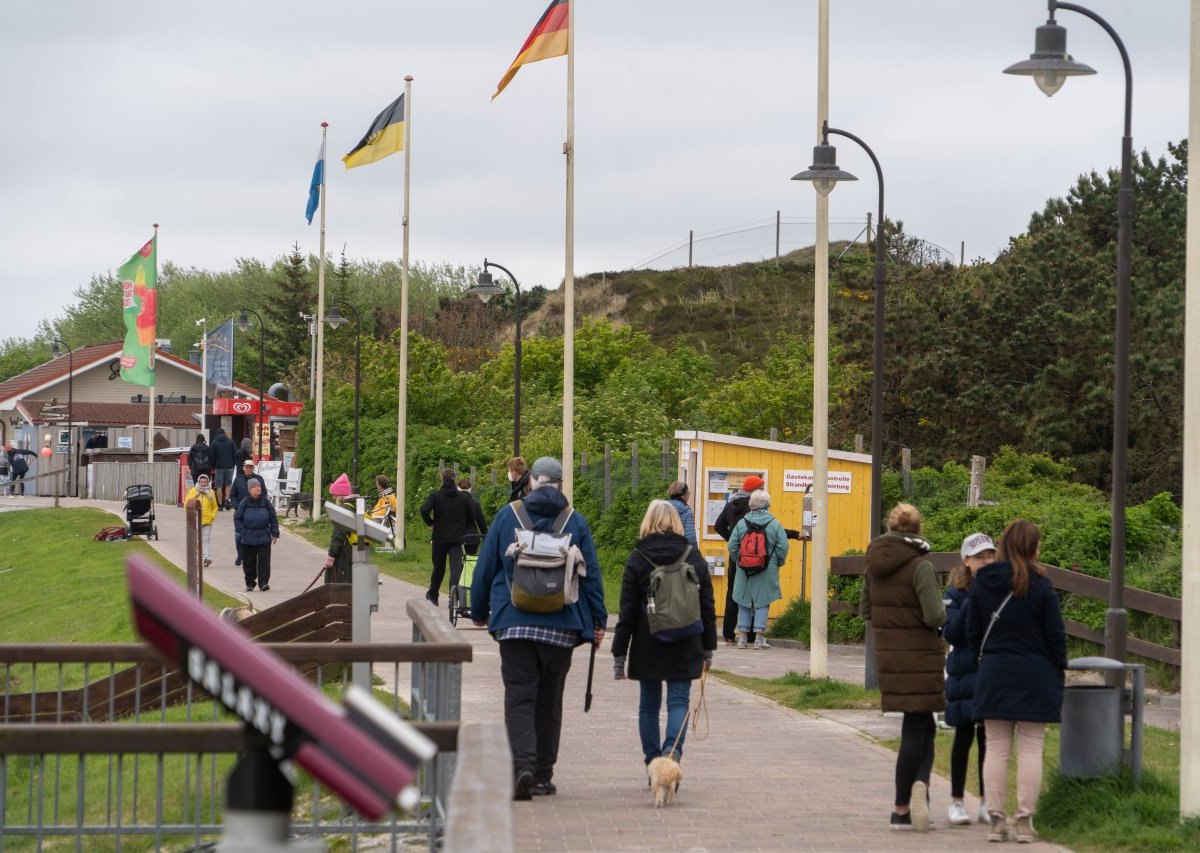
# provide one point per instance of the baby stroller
(460, 593)
(139, 511)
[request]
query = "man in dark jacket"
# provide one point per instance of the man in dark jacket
(255, 521)
(731, 514)
(240, 490)
(224, 465)
(451, 515)
(200, 458)
(536, 648)
(17, 466)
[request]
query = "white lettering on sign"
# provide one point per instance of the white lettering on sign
(239, 698)
(838, 482)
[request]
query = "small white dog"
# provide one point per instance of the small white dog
(665, 775)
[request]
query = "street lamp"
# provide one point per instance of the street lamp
(334, 318)
(56, 349)
(243, 325)
(485, 290)
(824, 174)
(1050, 65)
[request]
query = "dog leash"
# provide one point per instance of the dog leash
(314, 580)
(693, 716)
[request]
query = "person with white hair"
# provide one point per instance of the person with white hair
(536, 648)
(758, 547)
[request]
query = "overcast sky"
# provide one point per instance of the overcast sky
(689, 114)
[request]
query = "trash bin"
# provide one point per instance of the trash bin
(1092, 737)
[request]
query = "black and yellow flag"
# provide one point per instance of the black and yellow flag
(384, 137)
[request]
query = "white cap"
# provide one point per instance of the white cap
(976, 543)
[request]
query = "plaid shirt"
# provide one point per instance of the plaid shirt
(564, 637)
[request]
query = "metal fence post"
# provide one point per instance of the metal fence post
(607, 475)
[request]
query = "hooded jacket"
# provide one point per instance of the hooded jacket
(255, 521)
(900, 596)
(224, 451)
(650, 659)
(450, 513)
(1021, 665)
(244, 452)
(490, 595)
(736, 507)
(688, 518)
(961, 666)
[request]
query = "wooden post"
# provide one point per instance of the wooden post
(666, 459)
(493, 477)
(975, 490)
(690, 235)
(607, 475)
(905, 471)
(773, 434)
(777, 236)
(582, 463)
(633, 468)
(858, 445)
(473, 474)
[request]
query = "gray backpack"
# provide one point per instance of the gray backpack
(673, 599)
(542, 564)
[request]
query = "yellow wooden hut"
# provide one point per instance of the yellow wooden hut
(714, 465)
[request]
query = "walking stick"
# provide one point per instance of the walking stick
(587, 699)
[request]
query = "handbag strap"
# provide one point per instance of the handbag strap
(992, 622)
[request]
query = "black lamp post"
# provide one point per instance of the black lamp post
(1050, 65)
(243, 325)
(57, 349)
(824, 174)
(485, 290)
(334, 318)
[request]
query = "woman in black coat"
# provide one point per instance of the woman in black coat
(652, 661)
(1013, 619)
(962, 667)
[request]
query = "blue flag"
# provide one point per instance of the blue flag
(318, 181)
(219, 344)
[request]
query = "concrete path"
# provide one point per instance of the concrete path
(764, 778)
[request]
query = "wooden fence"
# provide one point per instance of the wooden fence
(107, 481)
(1064, 580)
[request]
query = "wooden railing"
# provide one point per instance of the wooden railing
(1064, 580)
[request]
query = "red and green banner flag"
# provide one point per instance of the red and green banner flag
(139, 277)
(548, 39)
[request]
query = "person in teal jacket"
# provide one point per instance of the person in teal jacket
(753, 594)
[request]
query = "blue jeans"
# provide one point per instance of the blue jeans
(678, 695)
(752, 619)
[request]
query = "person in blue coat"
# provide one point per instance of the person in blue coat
(258, 527)
(1014, 620)
(977, 551)
(754, 594)
(536, 648)
(677, 494)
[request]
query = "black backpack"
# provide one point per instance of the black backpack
(200, 458)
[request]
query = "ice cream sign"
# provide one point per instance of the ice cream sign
(838, 482)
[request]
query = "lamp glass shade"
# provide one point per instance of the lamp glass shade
(55, 349)
(1050, 65)
(243, 322)
(824, 172)
(334, 318)
(485, 290)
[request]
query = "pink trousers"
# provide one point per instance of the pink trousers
(1029, 763)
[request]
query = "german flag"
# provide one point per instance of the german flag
(385, 136)
(548, 39)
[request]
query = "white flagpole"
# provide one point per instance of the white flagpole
(818, 666)
(203, 324)
(568, 451)
(402, 404)
(319, 389)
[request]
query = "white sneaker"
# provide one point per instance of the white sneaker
(984, 817)
(958, 814)
(761, 642)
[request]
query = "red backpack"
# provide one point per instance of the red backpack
(754, 553)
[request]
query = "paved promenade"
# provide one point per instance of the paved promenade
(765, 777)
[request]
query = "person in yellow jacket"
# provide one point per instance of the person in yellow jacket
(202, 495)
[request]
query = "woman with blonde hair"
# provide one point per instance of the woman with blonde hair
(653, 661)
(1014, 621)
(901, 598)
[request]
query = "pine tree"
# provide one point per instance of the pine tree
(286, 333)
